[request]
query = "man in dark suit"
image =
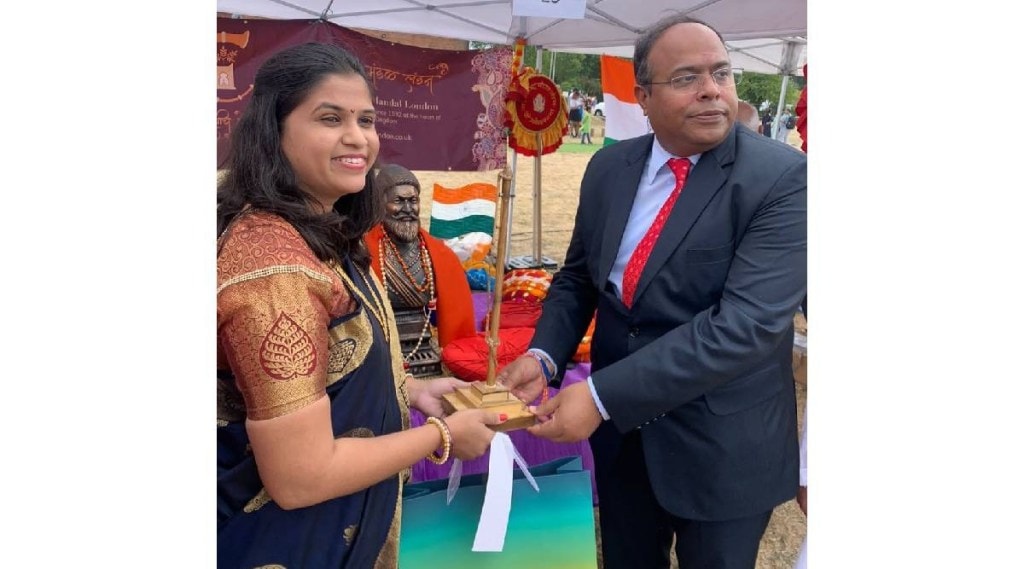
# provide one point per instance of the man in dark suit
(690, 408)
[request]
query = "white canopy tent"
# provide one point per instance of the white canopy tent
(757, 31)
(766, 36)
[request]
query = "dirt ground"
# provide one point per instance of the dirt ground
(561, 173)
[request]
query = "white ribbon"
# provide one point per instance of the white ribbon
(493, 525)
(454, 477)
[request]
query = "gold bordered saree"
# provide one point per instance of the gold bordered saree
(290, 329)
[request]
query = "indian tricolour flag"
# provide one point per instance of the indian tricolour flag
(467, 209)
(622, 114)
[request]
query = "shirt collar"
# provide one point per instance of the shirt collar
(659, 158)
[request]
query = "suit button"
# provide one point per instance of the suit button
(634, 332)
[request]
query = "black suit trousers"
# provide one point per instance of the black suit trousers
(636, 532)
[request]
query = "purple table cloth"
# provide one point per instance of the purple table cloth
(481, 304)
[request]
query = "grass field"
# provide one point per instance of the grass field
(577, 148)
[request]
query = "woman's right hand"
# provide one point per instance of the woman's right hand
(471, 437)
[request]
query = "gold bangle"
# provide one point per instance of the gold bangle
(446, 441)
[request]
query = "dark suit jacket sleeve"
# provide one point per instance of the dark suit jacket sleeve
(763, 288)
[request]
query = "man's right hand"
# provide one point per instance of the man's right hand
(523, 377)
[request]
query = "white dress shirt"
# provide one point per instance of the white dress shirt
(655, 187)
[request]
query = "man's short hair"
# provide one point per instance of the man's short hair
(642, 72)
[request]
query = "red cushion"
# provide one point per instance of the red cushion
(467, 357)
(516, 314)
(519, 314)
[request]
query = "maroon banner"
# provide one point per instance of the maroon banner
(436, 109)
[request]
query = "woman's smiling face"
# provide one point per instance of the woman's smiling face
(330, 138)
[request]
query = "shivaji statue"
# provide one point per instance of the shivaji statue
(425, 281)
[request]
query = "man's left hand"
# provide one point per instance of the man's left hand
(425, 394)
(573, 415)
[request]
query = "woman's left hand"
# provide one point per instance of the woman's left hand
(425, 394)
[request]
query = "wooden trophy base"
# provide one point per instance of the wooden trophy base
(496, 398)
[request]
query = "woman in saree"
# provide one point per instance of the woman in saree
(313, 438)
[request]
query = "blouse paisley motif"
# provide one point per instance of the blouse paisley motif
(274, 302)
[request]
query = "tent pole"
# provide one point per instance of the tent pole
(536, 181)
(536, 203)
(782, 103)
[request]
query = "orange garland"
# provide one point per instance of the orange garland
(428, 282)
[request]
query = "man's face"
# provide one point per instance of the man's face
(402, 219)
(688, 122)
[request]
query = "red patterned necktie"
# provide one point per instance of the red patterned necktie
(680, 167)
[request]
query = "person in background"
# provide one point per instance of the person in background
(691, 245)
(575, 113)
(746, 115)
(585, 126)
(801, 495)
(313, 444)
(784, 125)
(766, 123)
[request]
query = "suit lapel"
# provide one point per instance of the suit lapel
(704, 181)
(621, 190)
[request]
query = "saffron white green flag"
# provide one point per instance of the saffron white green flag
(622, 114)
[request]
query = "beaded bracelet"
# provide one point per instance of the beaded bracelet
(548, 375)
(446, 441)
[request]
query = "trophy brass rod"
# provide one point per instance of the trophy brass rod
(536, 202)
(504, 183)
(511, 205)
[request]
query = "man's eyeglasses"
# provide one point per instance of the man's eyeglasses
(722, 77)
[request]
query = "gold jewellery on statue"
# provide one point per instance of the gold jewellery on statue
(428, 285)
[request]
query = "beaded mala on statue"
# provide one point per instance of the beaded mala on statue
(421, 294)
